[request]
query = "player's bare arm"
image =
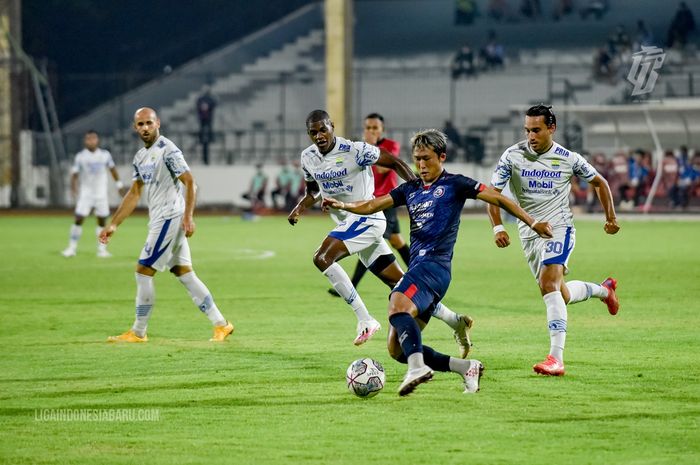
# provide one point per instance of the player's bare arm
(602, 190)
(188, 224)
(126, 207)
(120, 185)
(74, 185)
(312, 195)
(365, 207)
(501, 237)
(495, 198)
(402, 169)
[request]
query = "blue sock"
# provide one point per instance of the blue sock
(408, 332)
(436, 360)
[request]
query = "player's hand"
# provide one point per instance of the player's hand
(502, 239)
(106, 233)
(123, 191)
(330, 202)
(611, 226)
(293, 217)
(188, 226)
(544, 230)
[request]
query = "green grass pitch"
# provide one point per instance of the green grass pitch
(275, 392)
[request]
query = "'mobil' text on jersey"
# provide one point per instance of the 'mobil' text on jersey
(541, 183)
(435, 213)
(344, 173)
(159, 167)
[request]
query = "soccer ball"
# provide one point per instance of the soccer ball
(365, 377)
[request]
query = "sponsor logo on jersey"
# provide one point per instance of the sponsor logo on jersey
(330, 174)
(439, 192)
(561, 151)
(328, 185)
(540, 174)
(161, 144)
(540, 184)
(343, 147)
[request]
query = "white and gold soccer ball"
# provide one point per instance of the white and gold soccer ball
(365, 377)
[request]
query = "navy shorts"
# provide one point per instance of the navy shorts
(425, 284)
(392, 223)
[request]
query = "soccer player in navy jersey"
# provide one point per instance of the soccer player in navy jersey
(434, 203)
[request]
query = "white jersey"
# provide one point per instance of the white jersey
(92, 168)
(541, 183)
(344, 173)
(159, 168)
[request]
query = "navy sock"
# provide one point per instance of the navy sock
(405, 253)
(360, 271)
(436, 360)
(408, 332)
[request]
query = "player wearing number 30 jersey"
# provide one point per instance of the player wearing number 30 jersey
(538, 172)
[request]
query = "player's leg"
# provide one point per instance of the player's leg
(393, 235)
(101, 212)
(82, 210)
(331, 250)
(578, 291)
(145, 299)
(180, 264)
(400, 245)
(357, 275)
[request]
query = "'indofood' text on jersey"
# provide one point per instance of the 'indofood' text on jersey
(435, 213)
(344, 173)
(159, 167)
(541, 182)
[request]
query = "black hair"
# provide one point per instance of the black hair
(375, 116)
(316, 116)
(543, 110)
(91, 131)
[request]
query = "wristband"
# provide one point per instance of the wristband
(498, 228)
(119, 184)
(532, 226)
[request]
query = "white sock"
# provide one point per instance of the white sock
(341, 283)
(458, 365)
(415, 360)
(580, 291)
(75, 232)
(145, 298)
(441, 312)
(100, 246)
(556, 321)
(202, 298)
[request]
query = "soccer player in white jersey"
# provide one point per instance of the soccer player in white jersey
(161, 173)
(538, 172)
(339, 168)
(90, 168)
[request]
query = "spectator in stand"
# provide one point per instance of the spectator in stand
(465, 12)
(206, 104)
(454, 138)
(596, 8)
(639, 174)
(493, 53)
(498, 10)
(643, 37)
(283, 189)
(600, 163)
(603, 68)
(669, 176)
(683, 23)
(562, 8)
(531, 8)
(620, 180)
(686, 179)
(256, 192)
(463, 63)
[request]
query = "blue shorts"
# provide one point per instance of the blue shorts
(425, 284)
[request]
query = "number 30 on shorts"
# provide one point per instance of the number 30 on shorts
(554, 247)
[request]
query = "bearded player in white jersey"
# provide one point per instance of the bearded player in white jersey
(161, 173)
(338, 168)
(538, 172)
(89, 187)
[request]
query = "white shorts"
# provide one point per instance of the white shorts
(166, 245)
(554, 251)
(86, 203)
(362, 235)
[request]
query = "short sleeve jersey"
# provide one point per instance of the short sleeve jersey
(435, 212)
(159, 167)
(541, 183)
(344, 173)
(385, 182)
(92, 169)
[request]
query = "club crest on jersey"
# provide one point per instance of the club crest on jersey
(339, 161)
(344, 147)
(555, 164)
(439, 192)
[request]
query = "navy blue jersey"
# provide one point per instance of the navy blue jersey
(435, 211)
